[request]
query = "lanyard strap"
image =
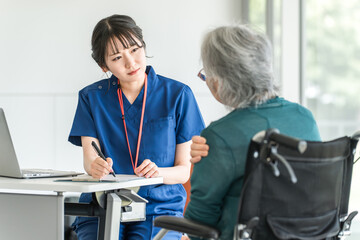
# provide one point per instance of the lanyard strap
(119, 92)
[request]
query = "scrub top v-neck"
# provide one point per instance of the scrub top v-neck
(171, 117)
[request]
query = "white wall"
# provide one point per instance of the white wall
(45, 59)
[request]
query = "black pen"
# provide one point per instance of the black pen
(97, 149)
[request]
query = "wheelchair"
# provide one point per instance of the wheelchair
(293, 189)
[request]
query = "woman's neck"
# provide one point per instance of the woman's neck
(131, 89)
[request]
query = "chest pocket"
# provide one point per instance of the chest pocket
(159, 141)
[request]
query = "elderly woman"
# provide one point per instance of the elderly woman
(238, 71)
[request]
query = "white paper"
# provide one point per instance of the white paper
(107, 178)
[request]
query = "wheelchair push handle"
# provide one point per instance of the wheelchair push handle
(294, 143)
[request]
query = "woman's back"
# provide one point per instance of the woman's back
(217, 179)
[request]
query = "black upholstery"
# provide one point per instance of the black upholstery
(312, 207)
(192, 228)
(292, 190)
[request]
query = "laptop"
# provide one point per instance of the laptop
(9, 165)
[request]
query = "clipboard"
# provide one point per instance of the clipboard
(107, 178)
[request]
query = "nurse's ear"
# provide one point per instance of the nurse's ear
(103, 67)
(105, 70)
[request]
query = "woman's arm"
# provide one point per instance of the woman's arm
(93, 164)
(211, 180)
(179, 173)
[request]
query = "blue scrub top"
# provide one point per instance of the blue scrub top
(171, 117)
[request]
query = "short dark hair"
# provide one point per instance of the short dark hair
(109, 29)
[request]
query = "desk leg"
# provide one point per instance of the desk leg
(31, 217)
(109, 217)
(109, 229)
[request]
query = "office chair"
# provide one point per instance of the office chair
(292, 189)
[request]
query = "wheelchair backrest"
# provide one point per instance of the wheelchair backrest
(304, 197)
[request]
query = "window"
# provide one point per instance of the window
(330, 69)
(332, 65)
(331, 83)
(265, 16)
(257, 14)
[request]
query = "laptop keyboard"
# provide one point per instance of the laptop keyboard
(48, 173)
(38, 172)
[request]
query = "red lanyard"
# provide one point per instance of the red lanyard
(119, 92)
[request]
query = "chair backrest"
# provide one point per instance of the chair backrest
(293, 195)
(187, 187)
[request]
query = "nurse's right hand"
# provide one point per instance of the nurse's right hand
(199, 149)
(101, 168)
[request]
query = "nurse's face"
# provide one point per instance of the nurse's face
(128, 64)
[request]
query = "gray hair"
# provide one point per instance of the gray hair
(240, 59)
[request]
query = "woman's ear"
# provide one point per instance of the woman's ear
(213, 85)
(103, 68)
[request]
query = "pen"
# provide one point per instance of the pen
(98, 151)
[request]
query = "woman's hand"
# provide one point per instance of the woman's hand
(147, 169)
(199, 149)
(100, 168)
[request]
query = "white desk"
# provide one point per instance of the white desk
(34, 208)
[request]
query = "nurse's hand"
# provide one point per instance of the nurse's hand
(199, 149)
(147, 169)
(101, 168)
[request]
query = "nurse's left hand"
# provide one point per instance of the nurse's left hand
(147, 169)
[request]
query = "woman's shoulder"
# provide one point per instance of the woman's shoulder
(229, 118)
(174, 88)
(228, 124)
(296, 107)
(100, 85)
(174, 84)
(166, 82)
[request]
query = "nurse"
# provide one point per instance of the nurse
(143, 123)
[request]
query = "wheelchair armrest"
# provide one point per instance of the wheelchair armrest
(187, 226)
